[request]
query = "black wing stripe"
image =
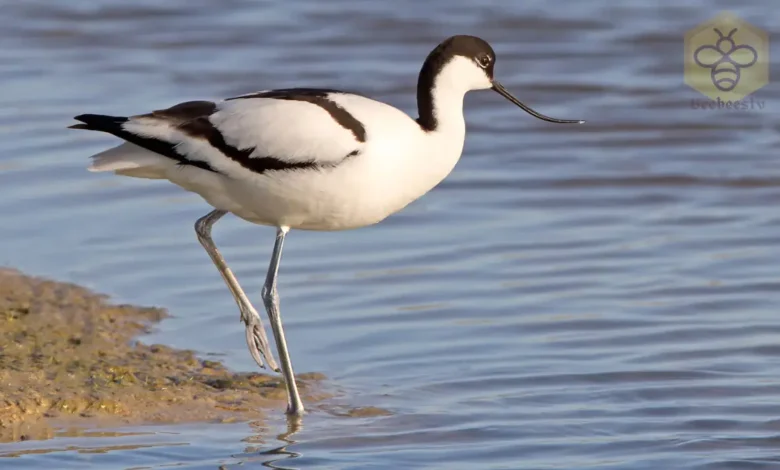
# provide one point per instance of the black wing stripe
(202, 128)
(319, 97)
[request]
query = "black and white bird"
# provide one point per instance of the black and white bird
(304, 158)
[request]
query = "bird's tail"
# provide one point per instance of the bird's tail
(127, 158)
(131, 160)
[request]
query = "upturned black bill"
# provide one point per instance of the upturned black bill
(498, 88)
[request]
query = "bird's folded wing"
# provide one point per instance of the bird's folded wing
(256, 133)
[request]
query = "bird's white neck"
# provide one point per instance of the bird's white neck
(440, 95)
(440, 92)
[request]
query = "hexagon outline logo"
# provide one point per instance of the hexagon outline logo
(726, 58)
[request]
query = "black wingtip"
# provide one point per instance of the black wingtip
(90, 118)
(98, 122)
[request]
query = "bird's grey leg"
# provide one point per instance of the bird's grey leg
(271, 300)
(256, 339)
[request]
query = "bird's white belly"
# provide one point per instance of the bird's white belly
(348, 196)
(358, 192)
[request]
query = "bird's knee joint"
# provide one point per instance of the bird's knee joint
(270, 294)
(201, 229)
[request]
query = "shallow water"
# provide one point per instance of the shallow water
(597, 296)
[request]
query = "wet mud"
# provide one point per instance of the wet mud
(68, 356)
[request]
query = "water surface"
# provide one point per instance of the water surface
(598, 296)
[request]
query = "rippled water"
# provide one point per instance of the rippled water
(597, 296)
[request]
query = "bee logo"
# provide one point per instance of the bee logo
(725, 59)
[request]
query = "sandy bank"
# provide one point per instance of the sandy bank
(67, 354)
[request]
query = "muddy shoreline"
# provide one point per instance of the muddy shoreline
(68, 356)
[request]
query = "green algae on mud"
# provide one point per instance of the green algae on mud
(67, 354)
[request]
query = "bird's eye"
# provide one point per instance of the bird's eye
(484, 61)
